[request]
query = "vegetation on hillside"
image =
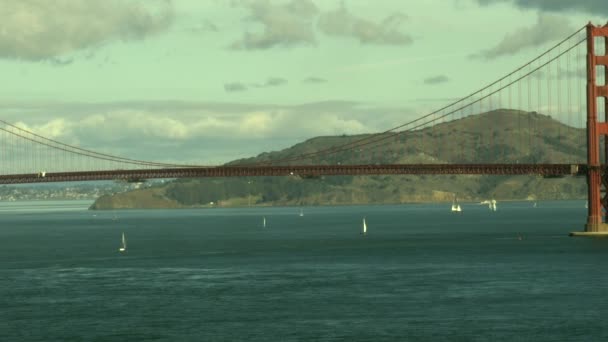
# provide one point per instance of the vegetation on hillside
(501, 136)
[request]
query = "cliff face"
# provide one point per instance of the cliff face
(502, 136)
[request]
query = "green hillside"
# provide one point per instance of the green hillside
(501, 136)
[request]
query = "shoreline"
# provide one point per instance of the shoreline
(476, 203)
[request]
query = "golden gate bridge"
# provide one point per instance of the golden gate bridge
(567, 81)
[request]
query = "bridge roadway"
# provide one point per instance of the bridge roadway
(304, 171)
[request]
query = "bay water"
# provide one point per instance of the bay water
(421, 273)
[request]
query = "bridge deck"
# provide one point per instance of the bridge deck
(547, 170)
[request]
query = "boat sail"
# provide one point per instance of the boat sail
(364, 228)
(493, 205)
(455, 206)
(301, 212)
(123, 245)
(264, 222)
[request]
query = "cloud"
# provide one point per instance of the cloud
(36, 30)
(290, 24)
(270, 82)
(234, 86)
(595, 7)
(343, 24)
(275, 81)
(259, 124)
(52, 129)
(195, 132)
(284, 25)
(436, 79)
(547, 28)
(314, 80)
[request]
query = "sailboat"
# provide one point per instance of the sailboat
(123, 245)
(364, 228)
(264, 222)
(455, 206)
(301, 212)
(493, 205)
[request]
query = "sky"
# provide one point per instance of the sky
(210, 81)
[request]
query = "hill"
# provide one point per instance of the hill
(501, 136)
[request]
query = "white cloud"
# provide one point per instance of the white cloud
(257, 124)
(284, 25)
(41, 29)
(150, 125)
(52, 129)
(195, 132)
(341, 22)
(546, 29)
(335, 125)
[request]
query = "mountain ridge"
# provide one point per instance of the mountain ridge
(499, 136)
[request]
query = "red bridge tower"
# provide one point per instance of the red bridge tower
(597, 177)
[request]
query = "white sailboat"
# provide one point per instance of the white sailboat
(301, 212)
(123, 245)
(264, 222)
(455, 206)
(364, 228)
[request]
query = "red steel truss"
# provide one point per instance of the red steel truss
(597, 181)
(304, 171)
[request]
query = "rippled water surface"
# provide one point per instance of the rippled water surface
(421, 274)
